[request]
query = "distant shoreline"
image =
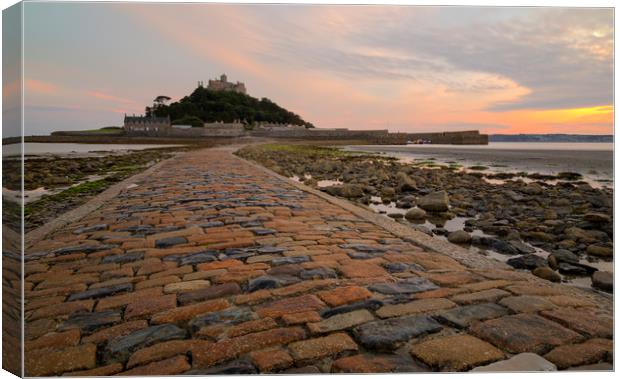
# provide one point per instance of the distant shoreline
(594, 164)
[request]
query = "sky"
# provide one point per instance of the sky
(402, 68)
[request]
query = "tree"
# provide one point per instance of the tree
(160, 100)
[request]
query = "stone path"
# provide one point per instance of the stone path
(212, 266)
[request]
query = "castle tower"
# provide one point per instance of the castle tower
(223, 78)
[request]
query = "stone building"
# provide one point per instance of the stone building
(146, 124)
(222, 84)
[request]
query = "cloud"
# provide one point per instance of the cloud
(563, 57)
(40, 87)
(410, 68)
(106, 96)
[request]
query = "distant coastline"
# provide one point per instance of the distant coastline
(550, 138)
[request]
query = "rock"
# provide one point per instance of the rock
(411, 285)
(562, 255)
(101, 292)
(388, 192)
(552, 261)
(396, 267)
(522, 248)
(576, 233)
(527, 303)
(169, 242)
(498, 245)
(271, 250)
(372, 304)
(89, 229)
(415, 214)
(550, 214)
(547, 274)
(122, 346)
(396, 216)
(363, 247)
(600, 251)
(459, 236)
(512, 195)
(524, 333)
(229, 316)
(586, 321)
(525, 362)
(603, 280)
(340, 322)
(532, 189)
(603, 366)
(434, 202)
(187, 286)
(238, 367)
(462, 317)
(527, 262)
(90, 321)
(455, 353)
(263, 231)
(597, 217)
(86, 249)
(290, 260)
(386, 335)
(351, 191)
(440, 231)
(575, 269)
(208, 256)
(318, 273)
(263, 282)
(123, 258)
(541, 236)
(405, 182)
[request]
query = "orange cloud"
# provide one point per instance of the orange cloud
(105, 96)
(41, 87)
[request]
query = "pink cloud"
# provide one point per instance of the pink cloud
(41, 87)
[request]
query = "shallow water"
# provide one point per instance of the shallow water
(458, 223)
(592, 160)
(36, 148)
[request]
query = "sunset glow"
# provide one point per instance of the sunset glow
(499, 70)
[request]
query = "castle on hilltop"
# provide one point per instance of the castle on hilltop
(222, 84)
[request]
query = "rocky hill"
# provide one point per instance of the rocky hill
(211, 106)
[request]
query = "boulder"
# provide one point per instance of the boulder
(547, 274)
(527, 262)
(572, 269)
(532, 189)
(563, 255)
(348, 191)
(600, 251)
(434, 202)
(459, 236)
(603, 280)
(405, 182)
(597, 217)
(415, 214)
(388, 192)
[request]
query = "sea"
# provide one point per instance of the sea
(592, 160)
(37, 148)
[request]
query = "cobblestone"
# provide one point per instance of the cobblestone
(456, 353)
(217, 264)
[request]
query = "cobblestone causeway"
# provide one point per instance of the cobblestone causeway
(212, 266)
